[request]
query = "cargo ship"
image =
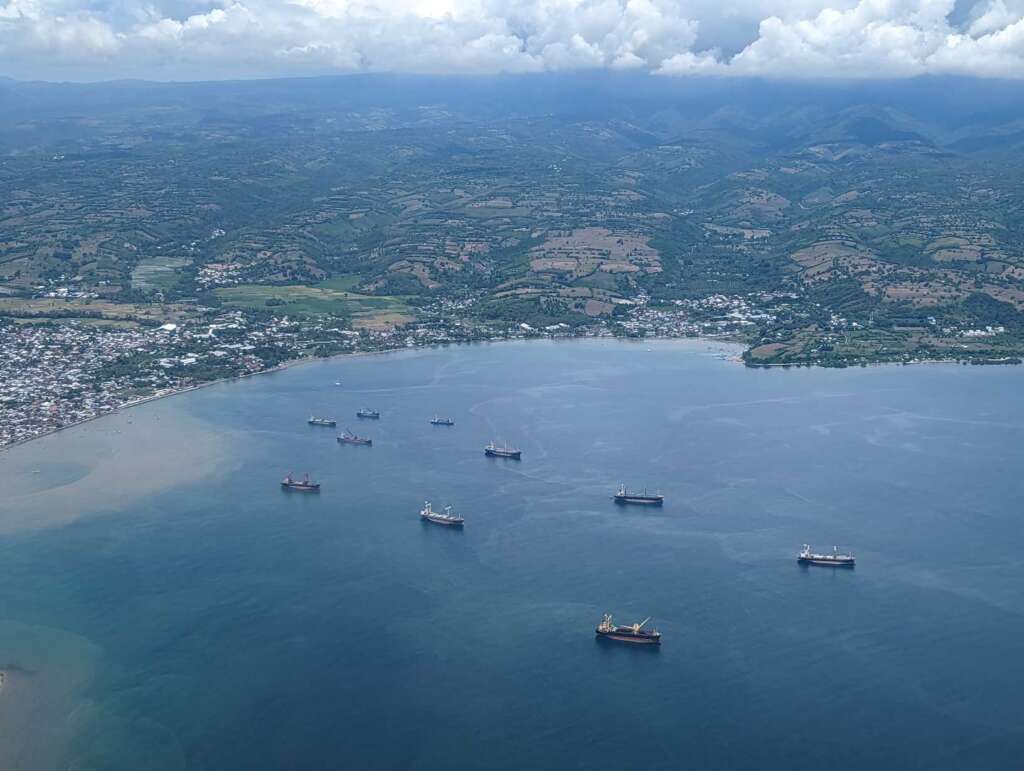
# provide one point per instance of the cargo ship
(835, 559)
(623, 497)
(494, 451)
(304, 485)
(330, 422)
(635, 634)
(427, 514)
(436, 421)
(365, 413)
(347, 437)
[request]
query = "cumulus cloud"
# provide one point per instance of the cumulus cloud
(240, 38)
(880, 38)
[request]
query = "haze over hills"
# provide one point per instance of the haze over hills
(828, 223)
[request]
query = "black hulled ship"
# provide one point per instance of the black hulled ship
(624, 497)
(347, 437)
(329, 422)
(368, 413)
(834, 560)
(494, 451)
(304, 485)
(438, 421)
(635, 634)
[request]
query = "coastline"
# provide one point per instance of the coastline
(726, 340)
(162, 395)
(348, 354)
(109, 465)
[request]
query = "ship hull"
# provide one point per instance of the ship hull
(368, 417)
(628, 637)
(324, 423)
(441, 522)
(359, 443)
(516, 455)
(300, 488)
(639, 500)
(828, 563)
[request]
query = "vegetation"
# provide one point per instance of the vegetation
(852, 230)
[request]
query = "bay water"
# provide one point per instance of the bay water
(165, 605)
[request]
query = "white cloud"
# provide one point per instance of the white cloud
(876, 38)
(237, 38)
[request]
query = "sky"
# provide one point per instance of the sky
(786, 39)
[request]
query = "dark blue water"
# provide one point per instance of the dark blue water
(223, 624)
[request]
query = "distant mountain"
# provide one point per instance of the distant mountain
(942, 109)
(988, 143)
(872, 131)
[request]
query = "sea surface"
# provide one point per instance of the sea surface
(209, 620)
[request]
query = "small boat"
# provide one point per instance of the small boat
(337, 382)
(347, 437)
(427, 514)
(623, 497)
(367, 413)
(330, 422)
(303, 486)
(494, 451)
(436, 421)
(835, 559)
(636, 634)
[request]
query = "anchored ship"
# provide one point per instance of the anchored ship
(347, 437)
(636, 634)
(622, 497)
(330, 422)
(427, 514)
(436, 421)
(304, 485)
(835, 559)
(494, 451)
(366, 413)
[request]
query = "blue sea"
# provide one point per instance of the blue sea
(208, 620)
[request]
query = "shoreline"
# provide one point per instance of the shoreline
(158, 396)
(278, 368)
(737, 359)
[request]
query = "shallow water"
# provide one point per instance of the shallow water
(212, 621)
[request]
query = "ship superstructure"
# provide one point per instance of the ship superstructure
(446, 518)
(835, 559)
(623, 497)
(634, 633)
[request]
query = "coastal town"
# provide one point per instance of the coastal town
(61, 372)
(57, 372)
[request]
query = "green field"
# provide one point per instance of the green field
(158, 273)
(330, 298)
(345, 283)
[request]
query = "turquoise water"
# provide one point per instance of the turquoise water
(218, 623)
